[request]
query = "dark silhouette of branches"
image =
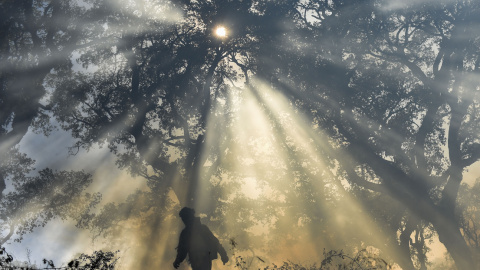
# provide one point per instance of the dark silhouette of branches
(99, 260)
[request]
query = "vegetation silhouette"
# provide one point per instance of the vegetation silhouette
(334, 259)
(198, 242)
(99, 260)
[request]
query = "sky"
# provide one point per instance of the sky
(60, 240)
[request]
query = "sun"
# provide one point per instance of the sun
(221, 31)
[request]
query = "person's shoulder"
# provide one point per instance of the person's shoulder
(184, 232)
(204, 227)
(207, 231)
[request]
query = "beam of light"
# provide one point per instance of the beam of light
(265, 135)
(308, 142)
(272, 154)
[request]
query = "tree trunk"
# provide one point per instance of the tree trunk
(193, 171)
(455, 244)
(197, 156)
(447, 225)
(3, 184)
(405, 259)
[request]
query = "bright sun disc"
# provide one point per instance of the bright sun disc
(221, 31)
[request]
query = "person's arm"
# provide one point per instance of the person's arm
(182, 250)
(223, 253)
(218, 247)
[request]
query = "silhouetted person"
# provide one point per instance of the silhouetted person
(198, 242)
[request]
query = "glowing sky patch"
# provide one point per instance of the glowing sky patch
(221, 31)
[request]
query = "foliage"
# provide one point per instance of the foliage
(36, 38)
(386, 101)
(241, 261)
(333, 259)
(365, 259)
(376, 98)
(469, 215)
(99, 260)
(39, 199)
(5, 259)
(362, 260)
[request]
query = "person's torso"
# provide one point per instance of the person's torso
(200, 242)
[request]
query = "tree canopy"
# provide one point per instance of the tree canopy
(334, 122)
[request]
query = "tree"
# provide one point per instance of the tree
(396, 92)
(39, 199)
(157, 83)
(387, 97)
(36, 38)
(33, 42)
(151, 86)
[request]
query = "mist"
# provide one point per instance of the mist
(303, 133)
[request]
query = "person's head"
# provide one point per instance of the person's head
(187, 215)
